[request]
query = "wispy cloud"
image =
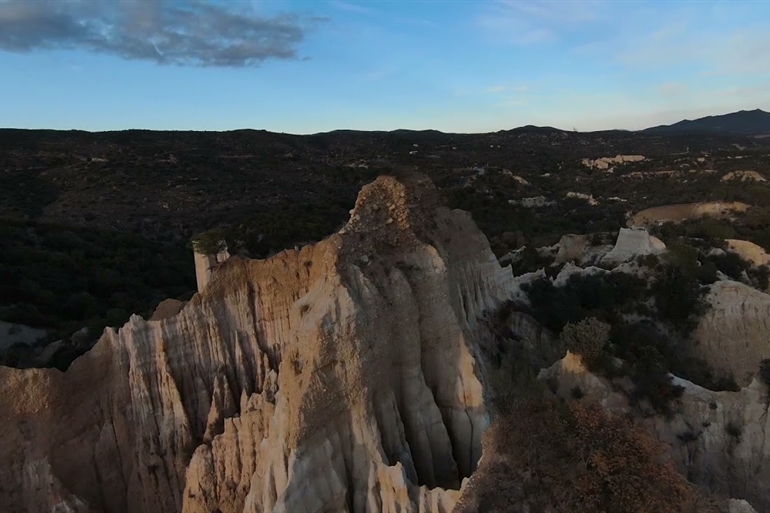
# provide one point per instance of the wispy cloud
(378, 74)
(554, 11)
(350, 7)
(712, 52)
(382, 15)
(508, 89)
(200, 33)
(527, 22)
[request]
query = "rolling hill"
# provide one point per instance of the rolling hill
(744, 122)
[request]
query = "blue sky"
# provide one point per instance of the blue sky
(310, 66)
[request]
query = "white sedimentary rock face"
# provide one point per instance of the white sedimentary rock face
(341, 376)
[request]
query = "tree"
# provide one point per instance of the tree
(550, 455)
(587, 339)
(210, 242)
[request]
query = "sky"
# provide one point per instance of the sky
(308, 66)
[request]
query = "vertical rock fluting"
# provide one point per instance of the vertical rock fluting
(340, 377)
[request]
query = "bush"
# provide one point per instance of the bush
(529, 260)
(730, 264)
(604, 296)
(649, 260)
(63, 279)
(587, 339)
(547, 455)
(210, 242)
(710, 229)
(683, 257)
(678, 298)
(656, 388)
(760, 276)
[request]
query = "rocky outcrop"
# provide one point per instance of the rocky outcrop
(571, 248)
(534, 202)
(684, 211)
(581, 195)
(732, 336)
(719, 440)
(739, 506)
(343, 376)
(632, 243)
(206, 262)
(744, 176)
(167, 308)
(748, 251)
(604, 163)
(579, 249)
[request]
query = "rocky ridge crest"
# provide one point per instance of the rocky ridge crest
(343, 376)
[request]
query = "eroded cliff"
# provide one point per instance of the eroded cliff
(340, 377)
(733, 334)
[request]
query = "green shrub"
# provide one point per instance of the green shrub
(650, 260)
(760, 276)
(210, 242)
(587, 339)
(655, 386)
(710, 229)
(730, 264)
(707, 273)
(529, 260)
(604, 296)
(678, 298)
(682, 256)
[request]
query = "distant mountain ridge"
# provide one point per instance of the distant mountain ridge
(744, 122)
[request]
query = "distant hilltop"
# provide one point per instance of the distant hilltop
(750, 123)
(744, 122)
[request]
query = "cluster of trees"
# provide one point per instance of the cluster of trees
(550, 455)
(591, 311)
(644, 352)
(693, 259)
(63, 279)
(493, 213)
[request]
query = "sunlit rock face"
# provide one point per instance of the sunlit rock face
(344, 376)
